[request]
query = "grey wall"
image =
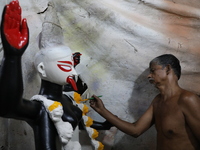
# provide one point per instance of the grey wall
(117, 38)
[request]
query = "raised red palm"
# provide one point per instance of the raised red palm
(15, 31)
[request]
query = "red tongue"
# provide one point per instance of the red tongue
(71, 81)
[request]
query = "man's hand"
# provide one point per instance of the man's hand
(97, 104)
(14, 32)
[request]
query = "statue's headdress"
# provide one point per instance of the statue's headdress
(51, 34)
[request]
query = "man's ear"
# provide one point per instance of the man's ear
(41, 69)
(168, 68)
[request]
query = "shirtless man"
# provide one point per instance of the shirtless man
(175, 111)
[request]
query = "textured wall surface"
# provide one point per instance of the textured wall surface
(117, 38)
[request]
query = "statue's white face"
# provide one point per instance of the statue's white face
(57, 66)
(58, 70)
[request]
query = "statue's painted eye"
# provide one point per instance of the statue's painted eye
(65, 66)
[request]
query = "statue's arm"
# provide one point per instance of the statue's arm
(101, 125)
(15, 38)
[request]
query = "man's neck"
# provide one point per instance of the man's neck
(169, 90)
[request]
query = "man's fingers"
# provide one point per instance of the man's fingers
(95, 97)
(91, 102)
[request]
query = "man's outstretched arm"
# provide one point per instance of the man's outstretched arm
(133, 129)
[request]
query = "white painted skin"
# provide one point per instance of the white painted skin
(72, 145)
(64, 129)
(56, 114)
(47, 61)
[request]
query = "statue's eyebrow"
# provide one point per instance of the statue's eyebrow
(66, 62)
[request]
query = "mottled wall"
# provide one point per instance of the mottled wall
(117, 38)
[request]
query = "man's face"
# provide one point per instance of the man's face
(157, 74)
(59, 69)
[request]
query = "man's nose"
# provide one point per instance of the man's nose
(149, 76)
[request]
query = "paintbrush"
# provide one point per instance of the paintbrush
(91, 98)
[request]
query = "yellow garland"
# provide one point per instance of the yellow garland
(77, 98)
(89, 121)
(95, 134)
(54, 106)
(85, 109)
(101, 146)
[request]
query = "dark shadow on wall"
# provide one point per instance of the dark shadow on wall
(142, 95)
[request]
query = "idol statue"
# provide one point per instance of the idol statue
(51, 114)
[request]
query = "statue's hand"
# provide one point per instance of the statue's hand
(14, 32)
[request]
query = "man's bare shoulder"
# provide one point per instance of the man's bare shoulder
(188, 100)
(187, 96)
(156, 99)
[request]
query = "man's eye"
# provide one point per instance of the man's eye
(152, 71)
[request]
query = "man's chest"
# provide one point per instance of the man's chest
(169, 119)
